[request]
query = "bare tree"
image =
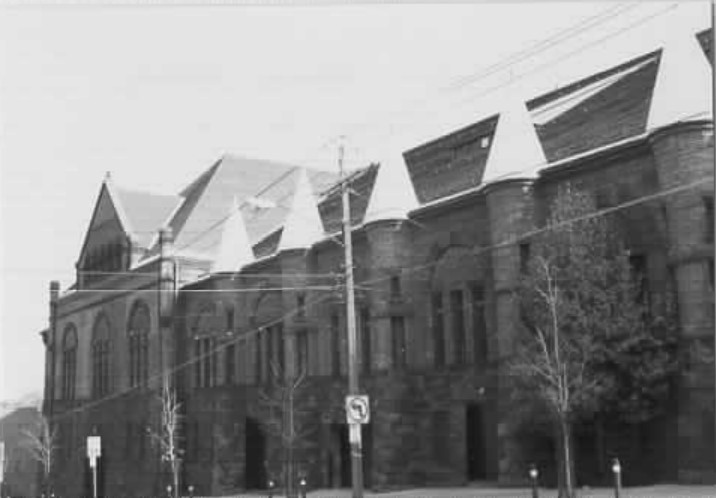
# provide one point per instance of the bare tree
(167, 437)
(283, 402)
(41, 442)
(591, 344)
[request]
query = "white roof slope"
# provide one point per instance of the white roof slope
(393, 194)
(516, 151)
(303, 226)
(234, 250)
(682, 90)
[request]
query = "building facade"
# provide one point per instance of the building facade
(234, 286)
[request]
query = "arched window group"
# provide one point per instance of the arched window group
(69, 362)
(138, 338)
(100, 357)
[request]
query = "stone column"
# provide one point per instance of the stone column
(683, 155)
(510, 209)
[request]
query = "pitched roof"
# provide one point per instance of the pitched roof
(516, 150)
(593, 112)
(197, 224)
(146, 212)
(234, 249)
(683, 84)
(392, 196)
(302, 226)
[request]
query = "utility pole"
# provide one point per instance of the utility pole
(354, 428)
(713, 127)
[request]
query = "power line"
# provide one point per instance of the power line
(328, 297)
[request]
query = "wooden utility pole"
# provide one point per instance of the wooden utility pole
(354, 428)
(713, 121)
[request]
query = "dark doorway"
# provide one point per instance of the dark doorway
(475, 436)
(255, 470)
(339, 456)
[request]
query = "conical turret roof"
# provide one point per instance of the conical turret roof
(516, 150)
(303, 226)
(393, 195)
(682, 90)
(234, 250)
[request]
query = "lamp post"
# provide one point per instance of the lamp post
(617, 471)
(271, 485)
(302, 485)
(534, 474)
(190, 488)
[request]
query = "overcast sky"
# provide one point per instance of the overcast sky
(157, 94)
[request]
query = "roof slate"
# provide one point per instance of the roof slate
(147, 212)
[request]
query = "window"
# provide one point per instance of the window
(278, 329)
(395, 287)
(100, 357)
(230, 364)
(458, 325)
(709, 219)
(301, 304)
(711, 272)
(204, 362)
(301, 351)
(637, 263)
(524, 257)
(69, 362)
(268, 333)
(335, 345)
(438, 330)
(479, 326)
(365, 340)
(230, 319)
(258, 374)
(138, 345)
(397, 333)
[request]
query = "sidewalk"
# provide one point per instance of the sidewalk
(663, 491)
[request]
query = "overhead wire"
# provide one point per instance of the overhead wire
(545, 44)
(366, 285)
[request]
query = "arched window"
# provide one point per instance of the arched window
(138, 332)
(100, 356)
(205, 356)
(69, 362)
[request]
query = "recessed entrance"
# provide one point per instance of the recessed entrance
(255, 448)
(476, 443)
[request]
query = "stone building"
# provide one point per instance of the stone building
(240, 273)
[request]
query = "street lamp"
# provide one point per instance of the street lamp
(271, 485)
(617, 471)
(190, 488)
(302, 484)
(534, 474)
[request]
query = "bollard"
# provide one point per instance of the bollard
(534, 474)
(190, 488)
(271, 485)
(617, 471)
(302, 484)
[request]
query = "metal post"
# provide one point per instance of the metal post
(302, 485)
(94, 479)
(355, 433)
(534, 474)
(617, 470)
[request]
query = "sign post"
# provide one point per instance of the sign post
(94, 451)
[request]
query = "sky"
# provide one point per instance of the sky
(156, 95)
